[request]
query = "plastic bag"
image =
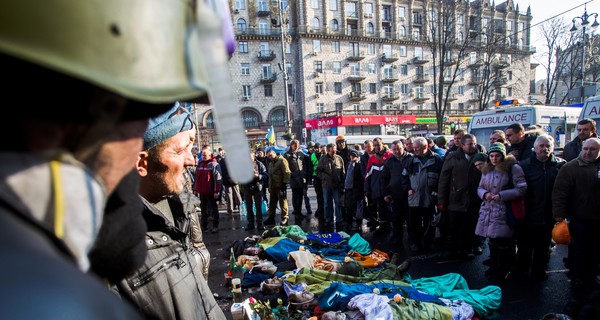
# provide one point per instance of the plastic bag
(560, 233)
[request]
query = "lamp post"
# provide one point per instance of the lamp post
(585, 21)
(288, 119)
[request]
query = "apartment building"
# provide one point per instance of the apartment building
(373, 66)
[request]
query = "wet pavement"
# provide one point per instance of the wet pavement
(520, 299)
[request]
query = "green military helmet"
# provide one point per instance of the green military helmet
(144, 50)
(310, 144)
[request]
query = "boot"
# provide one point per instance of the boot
(492, 271)
(506, 260)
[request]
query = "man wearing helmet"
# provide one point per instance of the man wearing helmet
(109, 73)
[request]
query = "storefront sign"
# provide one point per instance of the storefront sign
(358, 121)
(322, 123)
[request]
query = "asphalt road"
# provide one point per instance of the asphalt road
(520, 299)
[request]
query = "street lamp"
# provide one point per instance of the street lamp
(585, 21)
(288, 119)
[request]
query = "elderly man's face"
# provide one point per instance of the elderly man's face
(543, 149)
(167, 173)
(206, 154)
(419, 149)
(590, 150)
(331, 150)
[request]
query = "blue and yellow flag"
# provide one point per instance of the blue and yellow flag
(271, 135)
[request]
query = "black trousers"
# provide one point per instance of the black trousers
(420, 230)
(253, 199)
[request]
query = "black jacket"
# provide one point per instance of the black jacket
(395, 176)
(525, 147)
(540, 177)
(573, 148)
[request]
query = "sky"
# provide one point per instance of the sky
(544, 9)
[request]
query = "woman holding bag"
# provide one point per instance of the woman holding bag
(496, 191)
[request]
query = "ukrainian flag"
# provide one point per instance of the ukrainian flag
(271, 135)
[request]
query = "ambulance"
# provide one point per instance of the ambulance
(591, 109)
(558, 121)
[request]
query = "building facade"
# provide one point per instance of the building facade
(368, 66)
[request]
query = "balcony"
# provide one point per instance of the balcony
(356, 76)
(452, 97)
(475, 81)
(421, 78)
(500, 82)
(390, 57)
(449, 62)
(476, 64)
(266, 55)
(501, 63)
(473, 99)
(263, 11)
(389, 78)
(420, 60)
(357, 96)
(421, 97)
(355, 56)
(390, 97)
(268, 78)
(447, 80)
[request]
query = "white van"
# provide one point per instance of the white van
(360, 139)
(560, 122)
(591, 109)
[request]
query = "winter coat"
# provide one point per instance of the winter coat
(40, 275)
(459, 179)
(170, 284)
(279, 173)
(424, 175)
(225, 176)
(208, 178)
(540, 177)
(374, 183)
(332, 172)
(355, 193)
(525, 147)
(258, 182)
(298, 168)
(343, 153)
(576, 191)
(364, 160)
(395, 176)
(573, 148)
(492, 215)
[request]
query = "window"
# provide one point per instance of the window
(416, 34)
(288, 48)
(318, 66)
(278, 118)
(363, 130)
(388, 90)
(356, 107)
(319, 87)
(373, 106)
(403, 51)
(369, 8)
(335, 25)
(245, 69)
(372, 88)
(356, 87)
(461, 90)
(288, 68)
(333, 5)
(419, 53)
(316, 24)
(370, 28)
(404, 70)
(268, 90)
(402, 31)
(354, 68)
(510, 75)
(402, 13)
(243, 47)
(460, 36)
(263, 27)
(335, 46)
(320, 107)
(419, 70)
(370, 48)
(240, 4)
(246, 91)
(387, 50)
(460, 19)
(337, 67)
(417, 17)
(210, 121)
(337, 87)
(316, 44)
(339, 106)
(386, 11)
(371, 68)
(473, 57)
(509, 25)
(241, 25)
(404, 88)
(250, 119)
(265, 51)
(387, 71)
(521, 27)
(404, 106)
(266, 71)
(314, 4)
(509, 92)
(351, 9)
(354, 49)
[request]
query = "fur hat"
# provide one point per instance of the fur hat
(168, 124)
(497, 147)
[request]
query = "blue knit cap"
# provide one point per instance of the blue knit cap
(168, 124)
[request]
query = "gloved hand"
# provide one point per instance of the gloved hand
(441, 208)
(283, 191)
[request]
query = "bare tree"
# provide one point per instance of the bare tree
(449, 46)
